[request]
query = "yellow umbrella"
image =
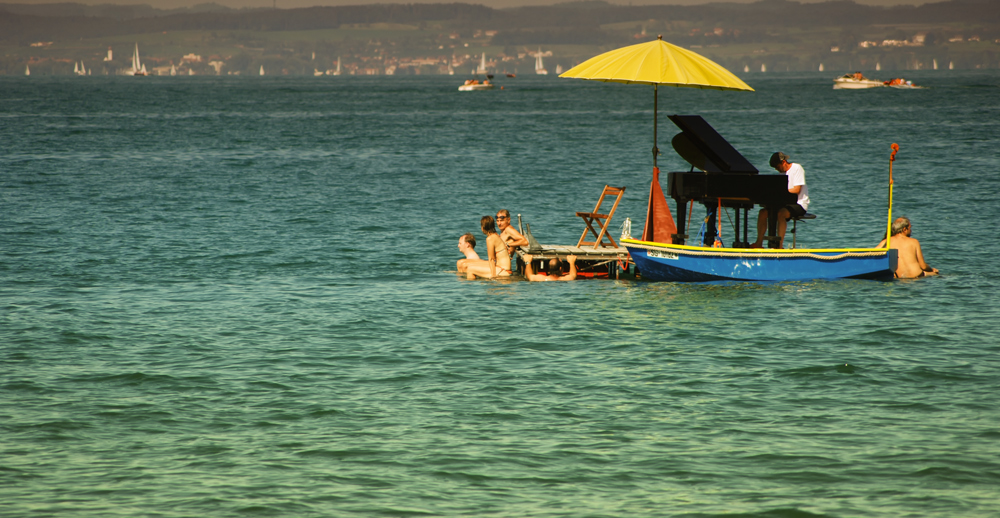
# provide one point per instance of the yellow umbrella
(657, 63)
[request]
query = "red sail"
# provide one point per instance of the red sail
(659, 223)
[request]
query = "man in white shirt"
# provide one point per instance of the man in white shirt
(796, 184)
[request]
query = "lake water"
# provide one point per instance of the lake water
(236, 296)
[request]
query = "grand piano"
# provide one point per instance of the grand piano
(723, 174)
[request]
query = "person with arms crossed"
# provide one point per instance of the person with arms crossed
(511, 237)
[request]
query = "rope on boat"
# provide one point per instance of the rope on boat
(759, 255)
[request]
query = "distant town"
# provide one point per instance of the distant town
(471, 40)
(194, 64)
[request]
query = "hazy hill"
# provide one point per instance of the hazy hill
(26, 23)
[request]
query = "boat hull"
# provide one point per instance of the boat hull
(677, 263)
(474, 88)
(854, 84)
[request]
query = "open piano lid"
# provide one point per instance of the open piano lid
(705, 149)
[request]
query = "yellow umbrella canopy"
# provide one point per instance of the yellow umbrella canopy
(657, 63)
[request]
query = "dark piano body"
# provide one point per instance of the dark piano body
(724, 174)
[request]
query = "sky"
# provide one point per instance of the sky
(288, 4)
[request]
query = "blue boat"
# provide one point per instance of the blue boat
(679, 263)
(725, 179)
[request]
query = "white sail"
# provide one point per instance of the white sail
(482, 65)
(83, 69)
(539, 65)
(138, 69)
(820, 67)
(173, 70)
(746, 68)
(76, 68)
(262, 70)
(935, 64)
(27, 70)
(878, 66)
(337, 72)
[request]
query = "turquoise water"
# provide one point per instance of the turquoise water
(235, 296)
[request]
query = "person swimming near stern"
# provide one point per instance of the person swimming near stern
(910, 263)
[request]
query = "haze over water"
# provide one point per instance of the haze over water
(236, 296)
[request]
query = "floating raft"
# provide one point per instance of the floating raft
(591, 263)
(603, 262)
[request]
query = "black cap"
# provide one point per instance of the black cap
(778, 158)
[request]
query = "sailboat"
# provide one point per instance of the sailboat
(138, 69)
(746, 68)
(79, 69)
(173, 70)
(820, 67)
(262, 70)
(27, 70)
(763, 67)
(482, 65)
(337, 72)
(539, 66)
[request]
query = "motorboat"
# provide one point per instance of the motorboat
(855, 81)
(474, 85)
(902, 84)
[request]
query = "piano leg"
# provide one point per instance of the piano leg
(773, 241)
(681, 221)
(736, 229)
(746, 242)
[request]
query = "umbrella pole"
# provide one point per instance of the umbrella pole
(655, 97)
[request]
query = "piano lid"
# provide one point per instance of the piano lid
(705, 149)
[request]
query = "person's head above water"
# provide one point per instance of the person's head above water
(486, 223)
(503, 218)
(468, 238)
(900, 225)
(556, 266)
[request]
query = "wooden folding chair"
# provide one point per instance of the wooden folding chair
(602, 220)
